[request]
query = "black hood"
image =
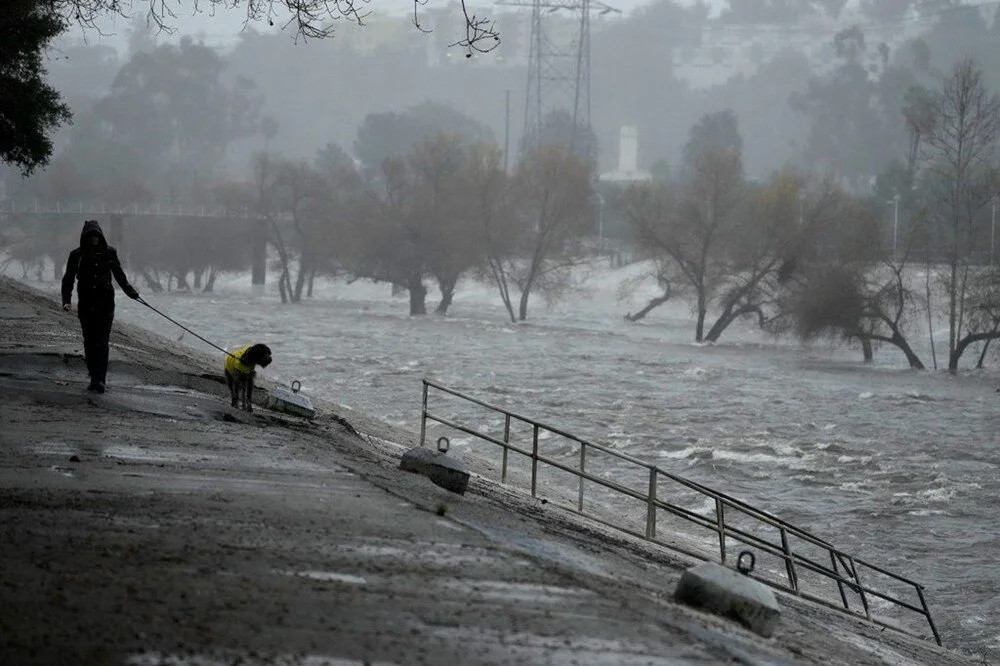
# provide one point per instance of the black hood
(92, 227)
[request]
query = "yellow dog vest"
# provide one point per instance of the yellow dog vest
(234, 362)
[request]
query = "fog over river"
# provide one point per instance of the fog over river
(896, 466)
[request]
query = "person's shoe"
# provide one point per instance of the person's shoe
(100, 387)
(93, 386)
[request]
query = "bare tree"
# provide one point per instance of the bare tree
(309, 19)
(293, 198)
(768, 238)
(690, 224)
(385, 241)
(664, 280)
(552, 191)
(417, 223)
(438, 165)
(650, 207)
(490, 189)
(961, 176)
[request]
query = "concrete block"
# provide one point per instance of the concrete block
(440, 468)
(728, 593)
(291, 402)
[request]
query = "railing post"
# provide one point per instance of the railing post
(927, 613)
(851, 578)
(861, 589)
(840, 585)
(423, 416)
(720, 524)
(651, 506)
(793, 579)
(506, 440)
(534, 459)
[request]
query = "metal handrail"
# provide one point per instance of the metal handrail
(839, 560)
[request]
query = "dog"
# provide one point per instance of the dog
(241, 366)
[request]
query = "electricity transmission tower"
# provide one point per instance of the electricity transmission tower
(558, 65)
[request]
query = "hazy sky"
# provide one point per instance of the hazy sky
(220, 25)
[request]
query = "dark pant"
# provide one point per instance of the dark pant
(96, 325)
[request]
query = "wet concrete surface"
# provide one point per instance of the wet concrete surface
(155, 525)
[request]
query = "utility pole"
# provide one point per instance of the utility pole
(506, 129)
(894, 202)
(600, 219)
(993, 231)
(558, 69)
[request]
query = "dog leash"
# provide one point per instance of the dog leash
(174, 321)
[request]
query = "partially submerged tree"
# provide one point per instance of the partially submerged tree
(294, 199)
(984, 312)
(439, 168)
(554, 208)
(858, 302)
(961, 177)
(692, 223)
(390, 245)
(489, 188)
(649, 207)
(417, 222)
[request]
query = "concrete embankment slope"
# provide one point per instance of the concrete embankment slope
(152, 524)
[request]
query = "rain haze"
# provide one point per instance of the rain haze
(730, 239)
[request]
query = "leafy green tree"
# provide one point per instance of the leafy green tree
(164, 127)
(713, 133)
(393, 135)
(849, 134)
(420, 221)
(30, 109)
(772, 131)
(389, 244)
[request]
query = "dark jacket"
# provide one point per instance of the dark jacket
(92, 268)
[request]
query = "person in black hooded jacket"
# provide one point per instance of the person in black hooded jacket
(92, 265)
